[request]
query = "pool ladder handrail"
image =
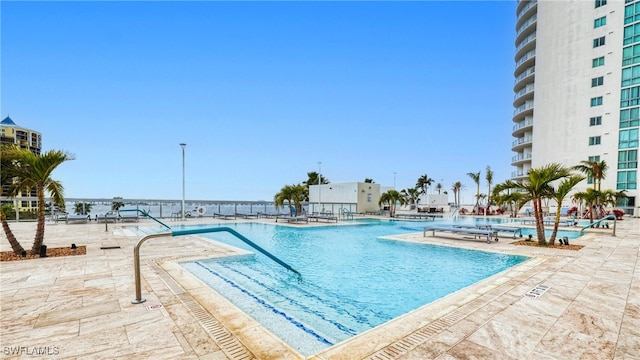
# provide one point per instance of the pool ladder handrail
(608, 217)
(144, 213)
(136, 252)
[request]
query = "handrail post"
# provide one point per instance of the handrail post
(136, 265)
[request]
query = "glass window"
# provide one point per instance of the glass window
(626, 180)
(631, 13)
(596, 120)
(628, 139)
(628, 159)
(596, 101)
(600, 22)
(629, 117)
(598, 42)
(598, 61)
(599, 81)
(630, 96)
(601, 3)
(631, 34)
(594, 140)
(630, 76)
(631, 55)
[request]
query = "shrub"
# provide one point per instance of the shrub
(500, 211)
(572, 211)
(463, 211)
(618, 213)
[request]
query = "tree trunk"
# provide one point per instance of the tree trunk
(39, 238)
(537, 212)
(15, 244)
(555, 228)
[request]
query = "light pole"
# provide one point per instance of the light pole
(319, 182)
(394, 180)
(183, 145)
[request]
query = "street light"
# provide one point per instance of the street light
(394, 180)
(319, 182)
(183, 145)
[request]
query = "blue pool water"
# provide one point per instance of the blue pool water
(351, 279)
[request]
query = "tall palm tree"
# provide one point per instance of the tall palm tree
(423, 183)
(596, 170)
(34, 171)
(456, 188)
(439, 187)
(564, 188)
(537, 186)
(411, 195)
(489, 177)
(312, 179)
(391, 198)
(476, 179)
(288, 194)
(6, 177)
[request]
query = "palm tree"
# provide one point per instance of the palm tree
(368, 181)
(312, 179)
(476, 179)
(34, 171)
(423, 183)
(116, 204)
(82, 208)
(595, 170)
(564, 188)
(6, 177)
(287, 193)
(489, 178)
(439, 187)
(537, 186)
(514, 199)
(411, 195)
(456, 188)
(391, 198)
(15, 244)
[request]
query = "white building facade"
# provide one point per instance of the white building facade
(577, 89)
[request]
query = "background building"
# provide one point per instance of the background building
(577, 89)
(12, 134)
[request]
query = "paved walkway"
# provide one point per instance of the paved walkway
(80, 306)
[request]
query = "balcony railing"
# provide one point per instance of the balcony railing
(525, 41)
(516, 174)
(527, 7)
(522, 140)
(524, 26)
(526, 89)
(528, 55)
(525, 73)
(528, 105)
(519, 157)
(521, 124)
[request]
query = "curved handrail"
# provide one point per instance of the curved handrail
(144, 213)
(608, 217)
(136, 252)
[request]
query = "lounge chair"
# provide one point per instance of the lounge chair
(76, 218)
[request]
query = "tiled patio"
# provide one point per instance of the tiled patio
(80, 306)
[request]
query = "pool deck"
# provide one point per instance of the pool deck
(80, 306)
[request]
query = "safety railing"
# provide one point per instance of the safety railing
(608, 217)
(136, 251)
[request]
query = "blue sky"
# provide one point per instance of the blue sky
(261, 92)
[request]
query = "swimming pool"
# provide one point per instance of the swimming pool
(351, 279)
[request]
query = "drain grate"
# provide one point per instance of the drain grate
(228, 343)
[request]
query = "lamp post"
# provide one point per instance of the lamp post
(182, 145)
(394, 180)
(319, 182)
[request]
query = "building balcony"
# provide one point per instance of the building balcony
(526, 107)
(525, 10)
(523, 95)
(522, 126)
(526, 28)
(521, 143)
(518, 175)
(523, 77)
(525, 61)
(527, 44)
(520, 158)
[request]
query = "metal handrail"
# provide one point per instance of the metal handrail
(608, 217)
(136, 252)
(144, 213)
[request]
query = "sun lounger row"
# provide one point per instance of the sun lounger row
(292, 219)
(326, 217)
(508, 229)
(224, 216)
(246, 216)
(417, 216)
(549, 221)
(488, 233)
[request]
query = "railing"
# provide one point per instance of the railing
(136, 252)
(519, 157)
(608, 217)
(527, 7)
(521, 124)
(522, 140)
(528, 55)
(525, 41)
(527, 89)
(524, 26)
(523, 108)
(525, 73)
(144, 213)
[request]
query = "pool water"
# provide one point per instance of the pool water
(351, 279)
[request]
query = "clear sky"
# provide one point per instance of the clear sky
(261, 92)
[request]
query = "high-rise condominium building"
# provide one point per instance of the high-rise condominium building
(12, 134)
(577, 89)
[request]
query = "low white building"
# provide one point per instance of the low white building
(354, 196)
